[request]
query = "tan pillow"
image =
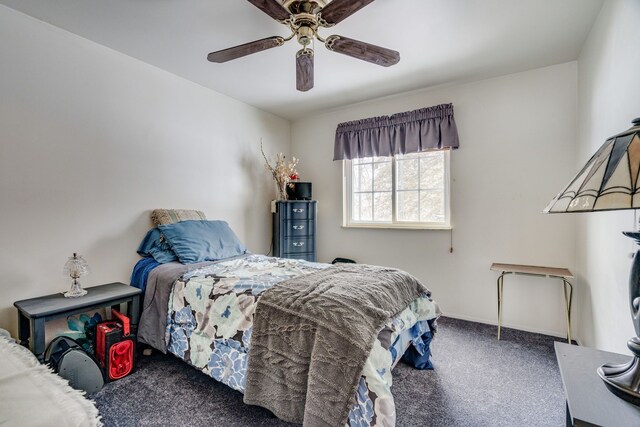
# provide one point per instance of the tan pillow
(169, 216)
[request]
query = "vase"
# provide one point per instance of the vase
(282, 190)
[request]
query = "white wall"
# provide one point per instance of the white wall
(609, 98)
(91, 140)
(517, 147)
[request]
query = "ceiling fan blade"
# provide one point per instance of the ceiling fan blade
(304, 70)
(338, 10)
(361, 50)
(273, 8)
(245, 49)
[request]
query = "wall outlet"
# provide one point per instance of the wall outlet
(273, 206)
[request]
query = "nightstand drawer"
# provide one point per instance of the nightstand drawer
(299, 210)
(297, 228)
(298, 244)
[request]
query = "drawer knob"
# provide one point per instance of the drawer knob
(298, 227)
(298, 244)
(298, 210)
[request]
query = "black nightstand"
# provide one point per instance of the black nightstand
(589, 402)
(34, 312)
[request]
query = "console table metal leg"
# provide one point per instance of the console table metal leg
(568, 297)
(500, 286)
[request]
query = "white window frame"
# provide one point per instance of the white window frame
(347, 202)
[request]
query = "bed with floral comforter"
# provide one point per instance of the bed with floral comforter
(210, 318)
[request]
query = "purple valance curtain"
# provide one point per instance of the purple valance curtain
(432, 128)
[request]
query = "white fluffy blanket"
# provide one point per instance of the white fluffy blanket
(32, 395)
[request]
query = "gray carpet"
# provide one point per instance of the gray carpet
(477, 381)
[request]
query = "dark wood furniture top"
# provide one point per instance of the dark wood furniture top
(589, 402)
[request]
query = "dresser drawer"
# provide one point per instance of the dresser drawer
(299, 210)
(297, 228)
(298, 244)
(307, 256)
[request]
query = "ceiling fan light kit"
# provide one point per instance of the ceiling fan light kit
(304, 18)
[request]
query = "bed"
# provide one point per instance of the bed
(32, 395)
(206, 313)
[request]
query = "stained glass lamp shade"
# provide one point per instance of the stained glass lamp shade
(75, 267)
(609, 181)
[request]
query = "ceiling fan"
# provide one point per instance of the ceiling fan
(304, 18)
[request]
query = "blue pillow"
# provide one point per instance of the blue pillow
(153, 245)
(197, 241)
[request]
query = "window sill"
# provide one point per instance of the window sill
(399, 227)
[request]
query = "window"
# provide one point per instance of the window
(404, 191)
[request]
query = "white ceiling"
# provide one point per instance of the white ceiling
(440, 41)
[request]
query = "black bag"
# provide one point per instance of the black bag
(343, 261)
(69, 360)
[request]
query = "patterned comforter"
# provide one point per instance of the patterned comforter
(210, 321)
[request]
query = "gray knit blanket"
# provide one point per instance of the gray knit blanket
(312, 336)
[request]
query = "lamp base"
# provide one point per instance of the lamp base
(70, 294)
(75, 291)
(624, 380)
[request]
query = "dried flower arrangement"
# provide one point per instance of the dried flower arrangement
(282, 172)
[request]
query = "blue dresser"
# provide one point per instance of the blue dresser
(294, 229)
